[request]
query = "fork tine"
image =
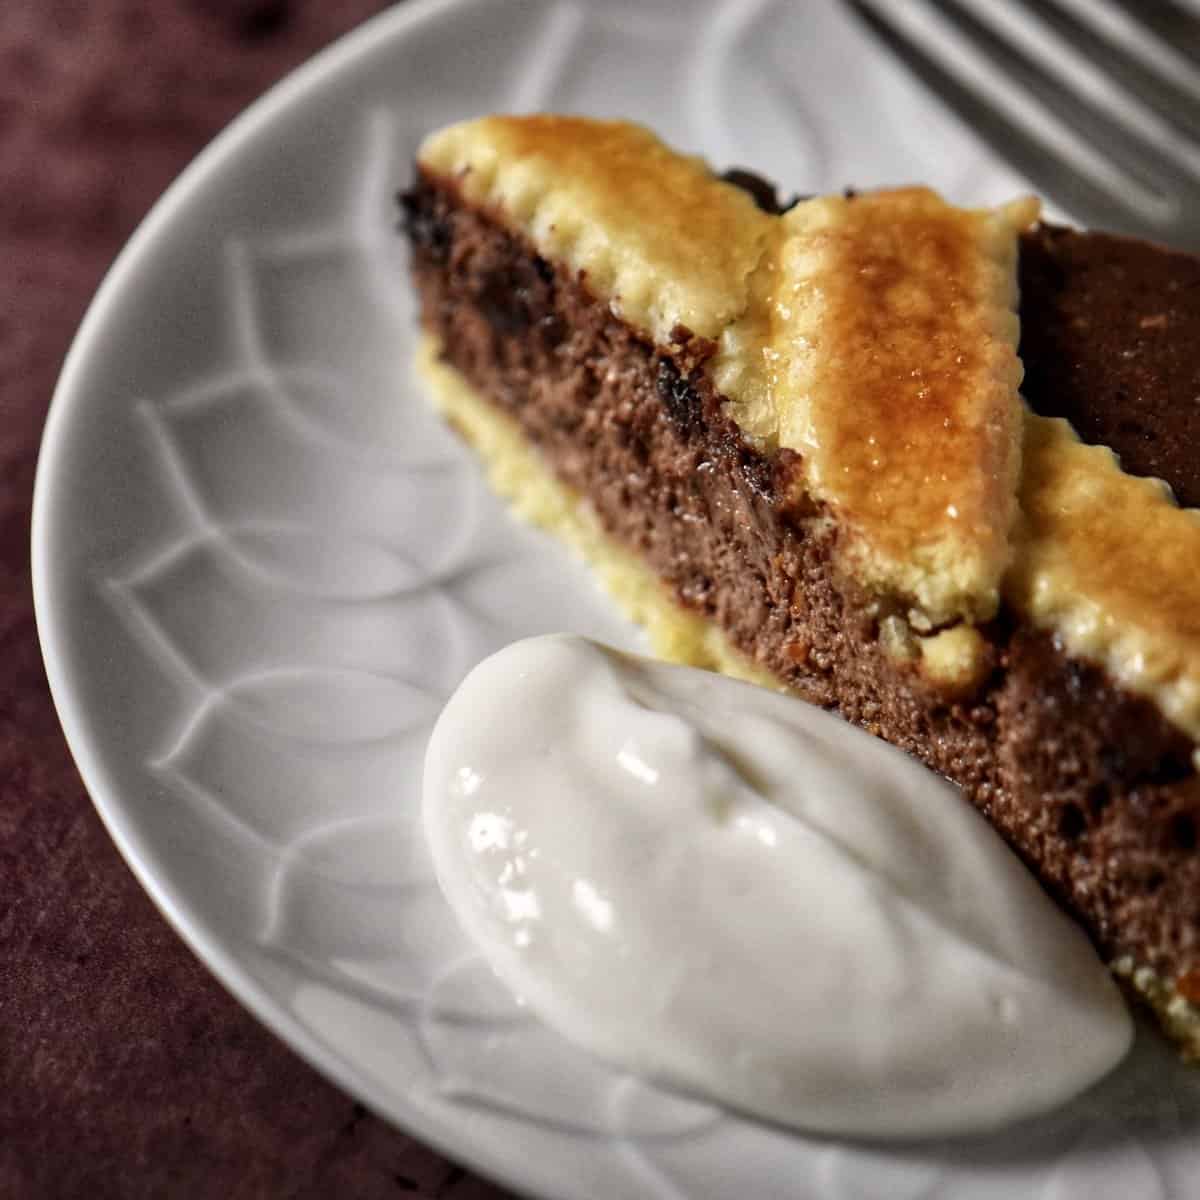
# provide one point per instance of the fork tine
(1097, 128)
(1170, 22)
(1168, 100)
(1039, 162)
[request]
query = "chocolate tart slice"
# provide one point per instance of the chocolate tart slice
(793, 446)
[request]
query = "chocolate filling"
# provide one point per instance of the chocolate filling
(1110, 338)
(1088, 782)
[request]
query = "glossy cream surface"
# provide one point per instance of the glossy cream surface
(730, 891)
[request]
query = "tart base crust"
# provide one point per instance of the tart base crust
(519, 474)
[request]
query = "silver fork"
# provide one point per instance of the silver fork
(1146, 190)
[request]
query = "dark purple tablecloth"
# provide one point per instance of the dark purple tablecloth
(125, 1069)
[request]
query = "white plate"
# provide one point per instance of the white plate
(261, 566)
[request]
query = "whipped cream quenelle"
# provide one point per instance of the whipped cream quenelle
(728, 890)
